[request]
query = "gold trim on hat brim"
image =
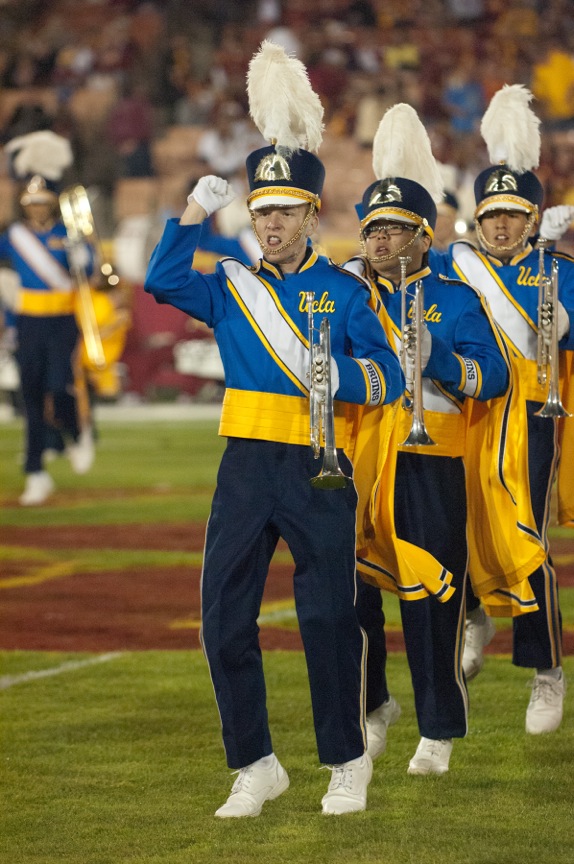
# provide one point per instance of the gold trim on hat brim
(399, 215)
(505, 202)
(281, 196)
(43, 196)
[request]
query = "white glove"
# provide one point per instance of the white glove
(409, 341)
(563, 324)
(212, 193)
(319, 377)
(556, 221)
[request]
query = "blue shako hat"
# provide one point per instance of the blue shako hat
(399, 200)
(38, 190)
(283, 179)
(450, 200)
(500, 188)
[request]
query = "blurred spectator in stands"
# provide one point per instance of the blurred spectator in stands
(402, 50)
(328, 66)
(74, 62)
(26, 117)
(361, 13)
(195, 106)
(224, 146)
(129, 129)
(463, 97)
(31, 62)
(379, 92)
(553, 85)
(466, 12)
(230, 61)
(114, 55)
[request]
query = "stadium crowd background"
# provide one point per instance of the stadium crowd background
(153, 95)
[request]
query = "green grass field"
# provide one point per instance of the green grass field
(118, 758)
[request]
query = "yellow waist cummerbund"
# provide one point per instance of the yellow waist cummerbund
(271, 417)
(531, 389)
(448, 431)
(47, 303)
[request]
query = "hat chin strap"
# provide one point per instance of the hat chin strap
(498, 248)
(266, 249)
(378, 259)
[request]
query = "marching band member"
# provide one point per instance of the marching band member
(47, 333)
(461, 364)
(507, 270)
(259, 315)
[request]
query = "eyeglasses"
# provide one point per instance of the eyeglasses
(392, 229)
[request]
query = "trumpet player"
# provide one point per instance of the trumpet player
(47, 333)
(508, 268)
(259, 316)
(459, 360)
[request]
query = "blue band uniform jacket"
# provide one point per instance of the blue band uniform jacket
(468, 360)
(259, 319)
(512, 292)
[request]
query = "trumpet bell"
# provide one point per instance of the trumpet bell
(418, 436)
(330, 480)
(553, 407)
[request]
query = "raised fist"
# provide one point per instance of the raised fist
(212, 193)
(556, 221)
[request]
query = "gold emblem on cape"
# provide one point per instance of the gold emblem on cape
(385, 192)
(501, 180)
(273, 167)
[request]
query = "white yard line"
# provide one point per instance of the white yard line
(70, 666)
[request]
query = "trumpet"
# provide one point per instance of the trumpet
(410, 357)
(321, 409)
(547, 348)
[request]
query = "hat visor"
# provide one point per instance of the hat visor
(390, 214)
(43, 197)
(393, 214)
(261, 198)
(502, 202)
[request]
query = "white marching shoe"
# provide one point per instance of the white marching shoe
(432, 756)
(544, 712)
(255, 784)
(347, 792)
(478, 633)
(378, 722)
(39, 487)
(82, 452)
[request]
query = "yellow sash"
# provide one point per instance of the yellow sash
(566, 439)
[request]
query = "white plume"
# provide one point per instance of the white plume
(43, 153)
(511, 129)
(402, 148)
(282, 103)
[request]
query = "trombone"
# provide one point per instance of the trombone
(77, 223)
(410, 357)
(321, 409)
(547, 347)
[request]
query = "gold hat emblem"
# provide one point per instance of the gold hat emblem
(501, 180)
(271, 168)
(386, 192)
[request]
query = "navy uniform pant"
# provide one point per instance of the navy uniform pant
(430, 511)
(45, 349)
(263, 493)
(537, 636)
